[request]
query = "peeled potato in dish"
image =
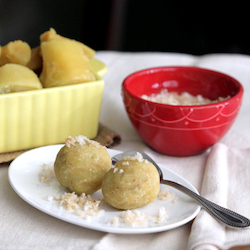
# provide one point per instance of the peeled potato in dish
(131, 183)
(15, 78)
(52, 35)
(58, 61)
(18, 52)
(64, 63)
(81, 164)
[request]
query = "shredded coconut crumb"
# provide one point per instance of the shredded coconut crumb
(116, 169)
(83, 205)
(47, 174)
(82, 140)
(125, 163)
(137, 157)
(50, 198)
(166, 195)
(162, 215)
(70, 141)
(134, 218)
(115, 220)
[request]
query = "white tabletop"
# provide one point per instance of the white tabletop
(24, 227)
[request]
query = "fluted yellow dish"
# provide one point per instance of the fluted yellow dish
(47, 116)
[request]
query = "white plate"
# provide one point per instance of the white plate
(24, 179)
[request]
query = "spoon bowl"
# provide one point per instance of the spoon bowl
(224, 215)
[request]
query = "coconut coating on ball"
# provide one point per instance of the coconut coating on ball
(131, 184)
(81, 164)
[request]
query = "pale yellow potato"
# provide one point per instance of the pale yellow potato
(52, 35)
(131, 184)
(35, 63)
(15, 77)
(81, 164)
(18, 52)
(64, 63)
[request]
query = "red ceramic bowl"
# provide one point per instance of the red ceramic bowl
(181, 130)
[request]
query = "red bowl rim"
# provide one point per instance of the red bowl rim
(155, 69)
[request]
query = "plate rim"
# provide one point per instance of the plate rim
(100, 227)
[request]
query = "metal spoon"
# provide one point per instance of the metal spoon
(222, 214)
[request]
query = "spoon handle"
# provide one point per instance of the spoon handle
(222, 214)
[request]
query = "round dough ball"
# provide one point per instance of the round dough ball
(81, 164)
(131, 184)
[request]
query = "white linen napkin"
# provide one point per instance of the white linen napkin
(226, 182)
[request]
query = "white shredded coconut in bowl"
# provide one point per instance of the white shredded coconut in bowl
(173, 98)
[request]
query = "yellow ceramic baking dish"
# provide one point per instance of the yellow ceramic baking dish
(41, 117)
